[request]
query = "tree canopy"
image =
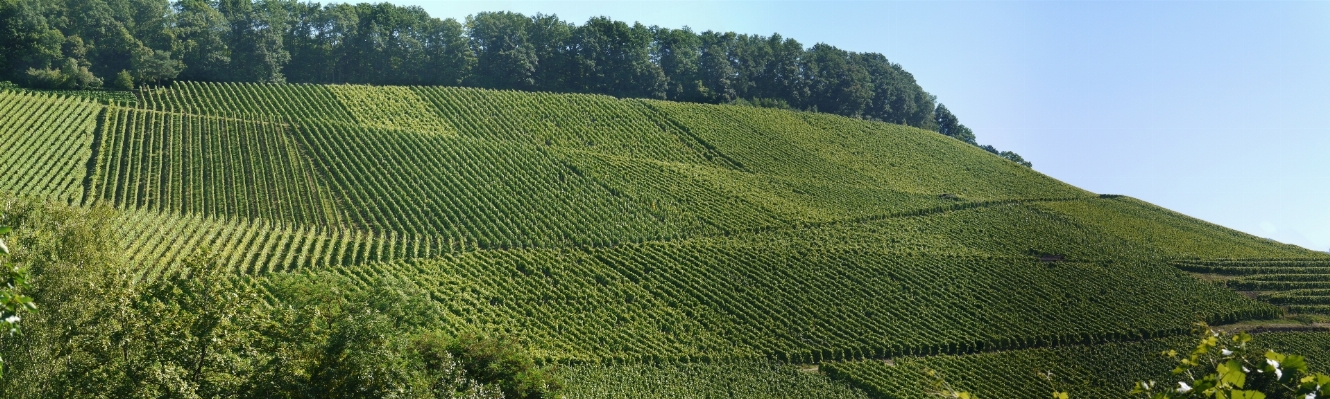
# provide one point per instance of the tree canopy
(81, 44)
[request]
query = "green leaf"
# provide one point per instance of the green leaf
(4, 230)
(1231, 373)
(1240, 394)
(1276, 356)
(1319, 379)
(1294, 362)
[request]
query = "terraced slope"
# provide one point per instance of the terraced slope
(1299, 285)
(1095, 371)
(631, 237)
(848, 153)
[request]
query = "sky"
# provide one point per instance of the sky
(1216, 109)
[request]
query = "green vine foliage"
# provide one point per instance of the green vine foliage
(12, 294)
(1223, 366)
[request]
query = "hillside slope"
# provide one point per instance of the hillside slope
(628, 233)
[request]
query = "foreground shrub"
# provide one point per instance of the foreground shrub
(205, 332)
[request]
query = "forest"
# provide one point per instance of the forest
(123, 44)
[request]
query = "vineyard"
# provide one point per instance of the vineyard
(1299, 285)
(160, 242)
(1091, 371)
(478, 194)
(389, 108)
(595, 123)
(247, 100)
(743, 379)
(47, 141)
(190, 164)
(1171, 235)
(664, 249)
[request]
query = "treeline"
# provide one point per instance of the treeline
(74, 44)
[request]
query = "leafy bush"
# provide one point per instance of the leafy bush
(123, 81)
(70, 76)
(491, 361)
(205, 332)
(13, 301)
(1225, 366)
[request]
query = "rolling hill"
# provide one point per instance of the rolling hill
(715, 250)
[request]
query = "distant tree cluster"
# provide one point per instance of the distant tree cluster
(79, 44)
(949, 125)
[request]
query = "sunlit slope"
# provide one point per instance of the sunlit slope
(495, 169)
(897, 286)
(247, 100)
(631, 231)
(848, 152)
(595, 123)
(45, 143)
(184, 163)
(1169, 234)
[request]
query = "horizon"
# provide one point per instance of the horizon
(1224, 124)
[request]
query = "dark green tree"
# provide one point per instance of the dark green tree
(26, 40)
(154, 66)
(678, 52)
(202, 33)
(312, 38)
(551, 38)
(505, 59)
(448, 58)
(255, 40)
(1014, 157)
(897, 98)
(836, 85)
(780, 76)
(951, 126)
(614, 58)
(716, 69)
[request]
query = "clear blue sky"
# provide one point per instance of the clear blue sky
(1219, 110)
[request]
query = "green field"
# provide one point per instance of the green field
(661, 249)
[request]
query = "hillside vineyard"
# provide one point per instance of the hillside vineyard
(717, 250)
